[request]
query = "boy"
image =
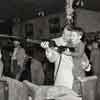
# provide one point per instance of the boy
(81, 62)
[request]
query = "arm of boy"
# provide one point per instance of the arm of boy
(79, 51)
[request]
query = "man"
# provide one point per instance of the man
(95, 58)
(63, 64)
(18, 58)
(37, 73)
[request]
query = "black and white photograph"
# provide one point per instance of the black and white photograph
(49, 50)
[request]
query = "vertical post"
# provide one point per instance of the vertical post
(69, 11)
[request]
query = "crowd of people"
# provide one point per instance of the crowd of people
(61, 64)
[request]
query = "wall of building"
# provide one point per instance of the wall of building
(41, 25)
(88, 20)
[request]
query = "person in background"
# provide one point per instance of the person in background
(7, 50)
(18, 58)
(1, 64)
(37, 72)
(34, 67)
(95, 58)
(95, 61)
(48, 72)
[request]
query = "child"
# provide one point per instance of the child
(81, 62)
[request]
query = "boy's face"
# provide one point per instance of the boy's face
(75, 37)
(66, 35)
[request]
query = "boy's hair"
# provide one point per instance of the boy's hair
(74, 29)
(78, 30)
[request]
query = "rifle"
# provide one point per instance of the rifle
(51, 42)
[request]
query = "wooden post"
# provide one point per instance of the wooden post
(69, 11)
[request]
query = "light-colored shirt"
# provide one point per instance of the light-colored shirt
(19, 55)
(63, 77)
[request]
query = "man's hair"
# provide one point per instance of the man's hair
(68, 27)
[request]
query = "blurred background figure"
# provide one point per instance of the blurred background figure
(95, 61)
(7, 50)
(18, 58)
(95, 58)
(34, 71)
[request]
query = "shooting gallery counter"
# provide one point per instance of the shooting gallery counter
(20, 91)
(15, 90)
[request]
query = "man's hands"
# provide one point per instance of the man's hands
(67, 52)
(45, 44)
